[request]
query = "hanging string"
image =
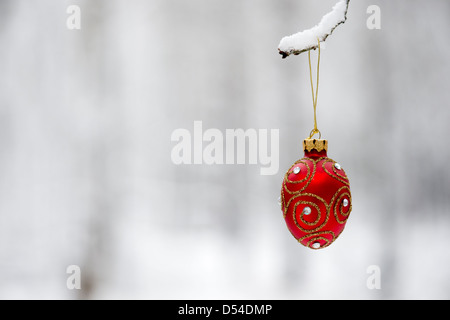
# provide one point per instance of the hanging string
(314, 96)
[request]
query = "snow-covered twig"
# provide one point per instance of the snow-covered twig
(308, 39)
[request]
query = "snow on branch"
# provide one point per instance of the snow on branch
(308, 39)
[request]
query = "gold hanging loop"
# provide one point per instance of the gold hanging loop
(313, 132)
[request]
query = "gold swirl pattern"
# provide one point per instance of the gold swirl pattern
(307, 180)
(339, 204)
(305, 162)
(324, 238)
(319, 222)
(336, 175)
(301, 215)
(297, 164)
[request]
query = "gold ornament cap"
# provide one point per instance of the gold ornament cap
(315, 144)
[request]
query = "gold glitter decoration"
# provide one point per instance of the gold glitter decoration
(315, 206)
(339, 202)
(336, 176)
(308, 203)
(295, 165)
(314, 237)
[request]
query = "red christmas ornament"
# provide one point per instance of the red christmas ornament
(315, 197)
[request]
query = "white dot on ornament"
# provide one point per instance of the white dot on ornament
(307, 211)
(316, 245)
(297, 170)
(279, 200)
(345, 202)
(337, 166)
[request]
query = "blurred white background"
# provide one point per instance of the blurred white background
(87, 179)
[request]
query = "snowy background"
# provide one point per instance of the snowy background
(87, 179)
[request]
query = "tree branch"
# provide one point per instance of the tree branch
(308, 39)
